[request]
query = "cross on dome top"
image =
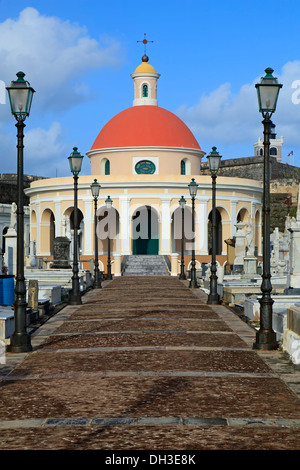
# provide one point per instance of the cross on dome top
(145, 41)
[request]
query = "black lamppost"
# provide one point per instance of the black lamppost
(267, 92)
(182, 203)
(20, 97)
(193, 186)
(95, 188)
(75, 160)
(108, 203)
(214, 160)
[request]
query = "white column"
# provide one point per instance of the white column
(233, 218)
(117, 265)
(38, 223)
(174, 264)
(203, 227)
(88, 227)
(198, 228)
(125, 225)
(295, 250)
(165, 227)
(57, 218)
(27, 238)
(252, 213)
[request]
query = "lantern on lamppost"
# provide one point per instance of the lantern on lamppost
(75, 161)
(95, 189)
(193, 187)
(108, 203)
(20, 98)
(214, 160)
(182, 203)
(267, 93)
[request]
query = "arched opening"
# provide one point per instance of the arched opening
(108, 228)
(176, 230)
(243, 215)
(69, 228)
(218, 232)
(273, 151)
(47, 232)
(33, 218)
(80, 228)
(145, 231)
(182, 167)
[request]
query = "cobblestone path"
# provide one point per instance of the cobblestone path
(144, 364)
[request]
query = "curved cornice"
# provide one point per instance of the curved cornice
(125, 184)
(192, 151)
(145, 74)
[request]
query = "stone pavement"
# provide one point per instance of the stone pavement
(146, 364)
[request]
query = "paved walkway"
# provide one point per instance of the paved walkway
(144, 364)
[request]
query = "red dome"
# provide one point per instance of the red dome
(145, 126)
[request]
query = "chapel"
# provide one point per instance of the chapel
(144, 159)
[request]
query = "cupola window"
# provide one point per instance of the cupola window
(182, 167)
(107, 168)
(145, 91)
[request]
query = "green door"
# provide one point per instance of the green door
(142, 246)
(148, 245)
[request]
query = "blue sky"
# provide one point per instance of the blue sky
(79, 55)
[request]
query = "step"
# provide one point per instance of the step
(145, 274)
(145, 265)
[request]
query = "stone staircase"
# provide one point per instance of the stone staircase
(145, 265)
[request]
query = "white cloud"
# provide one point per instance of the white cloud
(41, 142)
(45, 150)
(288, 111)
(233, 118)
(222, 115)
(54, 54)
(56, 57)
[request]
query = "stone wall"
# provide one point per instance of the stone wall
(8, 187)
(291, 337)
(248, 167)
(253, 168)
(280, 208)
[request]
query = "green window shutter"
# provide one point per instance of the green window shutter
(145, 91)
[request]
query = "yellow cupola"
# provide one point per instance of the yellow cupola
(145, 67)
(145, 84)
